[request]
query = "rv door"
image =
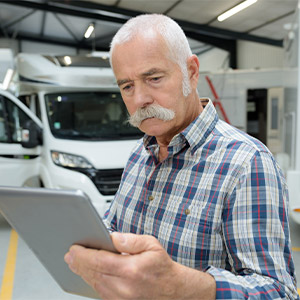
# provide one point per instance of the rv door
(20, 140)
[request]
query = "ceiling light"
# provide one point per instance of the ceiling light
(89, 30)
(67, 60)
(235, 10)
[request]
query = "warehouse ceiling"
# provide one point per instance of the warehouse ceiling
(65, 22)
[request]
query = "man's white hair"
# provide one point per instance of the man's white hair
(169, 30)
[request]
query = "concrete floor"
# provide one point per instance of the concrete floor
(32, 282)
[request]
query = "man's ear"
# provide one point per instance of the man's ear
(193, 70)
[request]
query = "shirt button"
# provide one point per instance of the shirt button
(187, 211)
(150, 198)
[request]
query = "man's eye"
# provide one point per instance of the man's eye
(155, 79)
(126, 87)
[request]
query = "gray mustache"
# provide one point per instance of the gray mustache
(151, 111)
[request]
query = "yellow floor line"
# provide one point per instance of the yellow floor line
(9, 271)
(295, 248)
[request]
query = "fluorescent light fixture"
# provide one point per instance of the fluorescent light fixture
(7, 78)
(67, 60)
(89, 31)
(235, 10)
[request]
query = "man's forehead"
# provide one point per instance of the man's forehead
(138, 58)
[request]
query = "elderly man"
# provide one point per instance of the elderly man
(201, 211)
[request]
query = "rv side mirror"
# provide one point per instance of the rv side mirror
(31, 135)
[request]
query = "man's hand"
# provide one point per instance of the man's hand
(144, 270)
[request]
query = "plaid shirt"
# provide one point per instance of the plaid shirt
(218, 203)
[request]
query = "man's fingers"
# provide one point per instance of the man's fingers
(134, 244)
(83, 261)
(95, 265)
(70, 256)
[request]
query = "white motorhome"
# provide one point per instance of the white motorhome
(264, 104)
(68, 128)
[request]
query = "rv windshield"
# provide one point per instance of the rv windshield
(89, 116)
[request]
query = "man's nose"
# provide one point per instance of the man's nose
(142, 96)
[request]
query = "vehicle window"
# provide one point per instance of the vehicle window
(32, 102)
(25, 99)
(16, 121)
(89, 116)
(3, 133)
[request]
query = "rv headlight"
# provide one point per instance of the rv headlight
(70, 160)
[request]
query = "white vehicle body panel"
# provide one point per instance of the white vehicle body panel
(38, 77)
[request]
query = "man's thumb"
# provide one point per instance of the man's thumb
(133, 243)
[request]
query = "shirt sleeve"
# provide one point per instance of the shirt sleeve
(259, 262)
(110, 218)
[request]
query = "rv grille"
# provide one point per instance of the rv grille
(108, 181)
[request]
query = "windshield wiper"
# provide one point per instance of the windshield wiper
(71, 133)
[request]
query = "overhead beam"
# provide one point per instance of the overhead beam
(272, 21)
(61, 8)
(66, 27)
(172, 7)
(225, 34)
(87, 9)
(3, 30)
(225, 44)
(104, 38)
(39, 39)
(43, 23)
(117, 2)
(19, 19)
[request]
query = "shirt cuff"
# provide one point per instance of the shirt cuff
(231, 286)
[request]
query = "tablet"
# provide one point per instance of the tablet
(50, 221)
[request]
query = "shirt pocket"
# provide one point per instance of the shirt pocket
(192, 236)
